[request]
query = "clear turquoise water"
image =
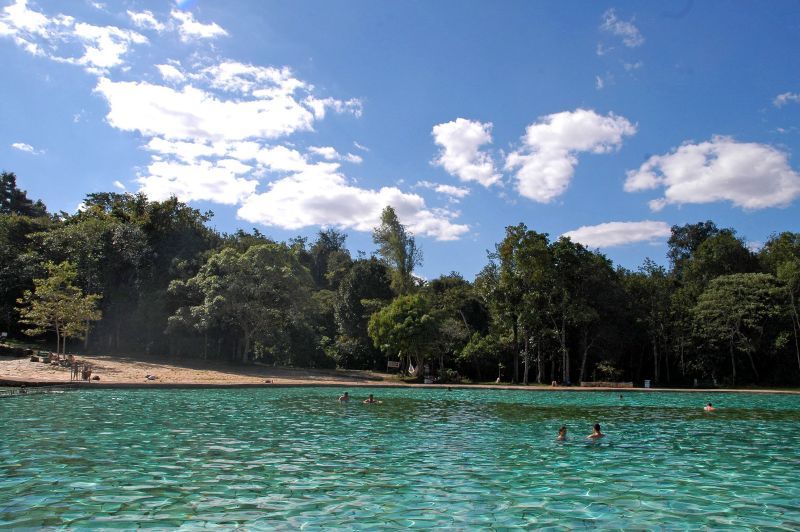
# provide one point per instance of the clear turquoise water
(294, 457)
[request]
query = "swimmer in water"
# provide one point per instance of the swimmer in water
(344, 398)
(370, 400)
(709, 408)
(562, 434)
(596, 434)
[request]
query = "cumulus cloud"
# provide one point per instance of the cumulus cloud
(749, 175)
(190, 29)
(193, 113)
(52, 37)
(119, 185)
(787, 97)
(27, 148)
(146, 20)
(546, 162)
(330, 154)
(627, 31)
(222, 181)
(447, 190)
(461, 154)
(171, 73)
(612, 234)
(319, 196)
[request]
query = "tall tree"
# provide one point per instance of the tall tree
(15, 201)
(256, 292)
(397, 247)
(405, 328)
(56, 304)
(733, 312)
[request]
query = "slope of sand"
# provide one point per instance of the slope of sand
(133, 370)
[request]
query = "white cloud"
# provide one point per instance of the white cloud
(319, 196)
(599, 83)
(612, 234)
(447, 190)
(630, 34)
(146, 20)
(360, 146)
(220, 181)
(330, 154)
(629, 67)
(787, 97)
(27, 148)
(749, 175)
(119, 185)
(326, 152)
(38, 34)
(191, 29)
(461, 155)
(170, 73)
(192, 113)
(547, 160)
(104, 46)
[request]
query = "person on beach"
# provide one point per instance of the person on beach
(562, 434)
(344, 397)
(370, 400)
(596, 433)
(709, 408)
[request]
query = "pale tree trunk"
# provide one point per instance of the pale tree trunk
(586, 344)
(539, 364)
(516, 352)
(526, 360)
(795, 326)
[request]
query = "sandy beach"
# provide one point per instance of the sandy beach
(124, 371)
(134, 370)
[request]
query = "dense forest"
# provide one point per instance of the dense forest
(128, 275)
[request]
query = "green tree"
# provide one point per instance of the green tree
(56, 304)
(15, 201)
(733, 312)
(406, 328)
(397, 247)
(257, 292)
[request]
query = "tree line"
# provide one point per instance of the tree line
(129, 275)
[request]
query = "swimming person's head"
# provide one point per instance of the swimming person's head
(562, 431)
(370, 396)
(709, 404)
(597, 427)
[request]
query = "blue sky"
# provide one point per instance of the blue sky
(609, 122)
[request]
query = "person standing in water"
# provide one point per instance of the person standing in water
(562, 434)
(709, 408)
(596, 433)
(344, 397)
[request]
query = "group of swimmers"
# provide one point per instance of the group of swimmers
(595, 435)
(345, 397)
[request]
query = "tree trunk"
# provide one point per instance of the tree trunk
(516, 352)
(656, 376)
(795, 326)
(539, 364)
(564, 351)
(58, 338)
(526, 360)
(585, 349)
(246, 348)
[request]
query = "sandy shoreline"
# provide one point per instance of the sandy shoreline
(130, 372)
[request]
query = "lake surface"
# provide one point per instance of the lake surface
(295, 457)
